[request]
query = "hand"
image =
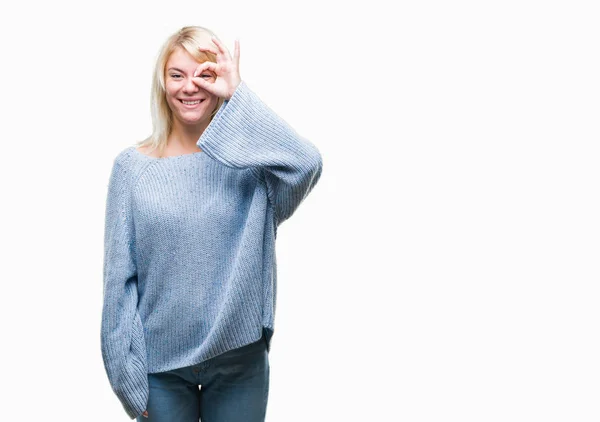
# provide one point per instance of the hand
(226, 69)
(145, 414)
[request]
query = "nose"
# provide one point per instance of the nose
(190, 87)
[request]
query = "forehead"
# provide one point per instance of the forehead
(181, 59)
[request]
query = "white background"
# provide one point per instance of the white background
(445, 267)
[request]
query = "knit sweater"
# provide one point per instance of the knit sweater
(189, 245)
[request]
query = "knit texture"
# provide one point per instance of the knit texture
(189, 245)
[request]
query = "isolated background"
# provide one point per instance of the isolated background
(445, 268)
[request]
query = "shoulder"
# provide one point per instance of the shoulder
(131, 158)
(124, 156)
(125, 166)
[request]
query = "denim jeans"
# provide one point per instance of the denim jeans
(234, 387)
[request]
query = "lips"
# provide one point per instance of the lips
(192, 102)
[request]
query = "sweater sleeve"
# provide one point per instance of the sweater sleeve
(122, 341)
(245, 132)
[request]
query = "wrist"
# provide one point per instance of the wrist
(233, 89)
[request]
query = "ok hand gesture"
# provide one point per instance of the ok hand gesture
(226, 69)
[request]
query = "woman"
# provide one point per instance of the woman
(191, 220)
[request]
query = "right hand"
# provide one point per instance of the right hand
(145, 414)
(227, 70)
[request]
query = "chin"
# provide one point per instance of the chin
(189, 120)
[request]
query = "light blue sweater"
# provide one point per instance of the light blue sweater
(189, 259)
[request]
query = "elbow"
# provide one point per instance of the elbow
(312, 159)
(316, 165)
(311, 174)
(316, 172)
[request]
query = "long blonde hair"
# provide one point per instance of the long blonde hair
(188, 38)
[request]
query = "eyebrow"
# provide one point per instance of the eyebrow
(174, 68)
(181, 71)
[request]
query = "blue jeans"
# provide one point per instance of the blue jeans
(234, 387)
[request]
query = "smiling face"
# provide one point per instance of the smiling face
(190, 104)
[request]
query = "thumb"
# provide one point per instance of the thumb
(206, 85)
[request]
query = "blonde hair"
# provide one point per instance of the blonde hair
(189, 38)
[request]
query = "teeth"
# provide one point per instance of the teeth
(191, 102)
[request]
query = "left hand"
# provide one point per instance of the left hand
(227, 70)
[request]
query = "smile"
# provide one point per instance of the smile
(194, 102)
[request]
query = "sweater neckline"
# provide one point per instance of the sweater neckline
(135, 150)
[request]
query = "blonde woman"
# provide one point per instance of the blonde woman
(191, 220)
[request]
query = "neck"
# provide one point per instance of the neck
(185, 137)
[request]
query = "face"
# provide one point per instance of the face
(190, 104)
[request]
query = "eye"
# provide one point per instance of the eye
(175, 76)
(206, 75)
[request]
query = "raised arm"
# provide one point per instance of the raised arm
(122, 336)
(245, 132)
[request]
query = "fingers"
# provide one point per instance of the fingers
(221, 48)
(205, 66)
(210, 50)
(218, 44)
(207, 85)
(236, 53)
(203, 84)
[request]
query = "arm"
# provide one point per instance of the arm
(123, 347)
(245, 132)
